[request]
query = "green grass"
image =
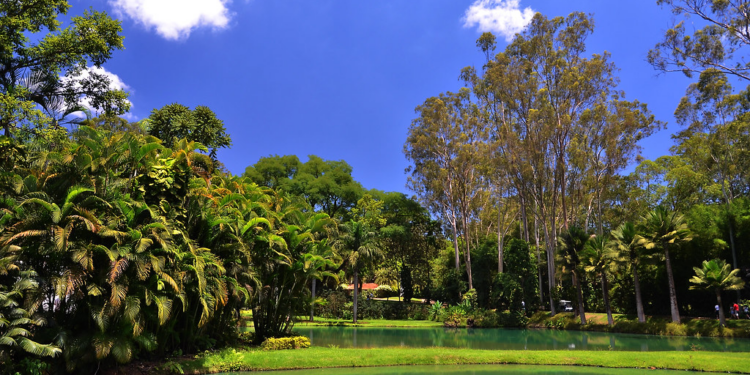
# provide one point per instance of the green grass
(380, 323)
(653, 325)
(317, 357)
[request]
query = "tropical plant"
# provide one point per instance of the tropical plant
(716, 275)
(570, 245)
(597, 258)
(662, 229)
(628, 246)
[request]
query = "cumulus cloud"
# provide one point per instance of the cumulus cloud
(504, 17)
(175, 19)
(115, 83)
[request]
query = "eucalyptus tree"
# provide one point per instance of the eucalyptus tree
(629, 249)
(718, 45)
(443, 144)
(715, 124)
(716, 275)
(663, 229)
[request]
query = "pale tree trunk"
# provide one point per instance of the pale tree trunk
(455, 243)
(468, 253)
(312, 305)
(722, 319)
(638, 300)
(605, 292)
(550, 268)
(538, 260)
(672, 290)
(579, 291)
(355, 294)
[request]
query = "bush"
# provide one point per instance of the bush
(283, 343)
(384, 291)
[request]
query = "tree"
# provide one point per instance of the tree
(597, 257)
(176, 121)
(52, 70)
(663, 229)
(628, 246)
(570, 246)
(718, 45)
(443, 144)
(361, 241)
(716, 275)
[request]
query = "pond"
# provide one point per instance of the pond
(512, 339)
(473, 370)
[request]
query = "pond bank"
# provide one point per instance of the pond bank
(318, 357)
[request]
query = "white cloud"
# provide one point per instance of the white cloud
(503, 17)
(175, 19)
(115, 83)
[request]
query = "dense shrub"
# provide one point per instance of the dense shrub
(283, 343)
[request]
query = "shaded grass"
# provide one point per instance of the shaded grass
(317, 357)
(653, 325)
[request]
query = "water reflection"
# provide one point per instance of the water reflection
(512, 339)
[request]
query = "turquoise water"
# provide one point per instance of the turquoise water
(474, 370)
(512, 339)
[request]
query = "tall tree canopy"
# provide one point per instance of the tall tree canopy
(43, 65)
(176, 121)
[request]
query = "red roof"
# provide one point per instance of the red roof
(364, 286)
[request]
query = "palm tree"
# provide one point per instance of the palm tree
(716, 275)
(662, 229)
(363, 250)
(629, 245)
(571, 243)
(597, 257)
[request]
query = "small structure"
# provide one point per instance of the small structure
(566, 306)
(365, 286)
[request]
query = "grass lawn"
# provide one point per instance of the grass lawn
(368, 323)
(317, 357)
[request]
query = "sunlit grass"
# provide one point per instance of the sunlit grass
(317, 357)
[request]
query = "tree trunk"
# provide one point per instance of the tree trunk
(468, 252)
(355, 294)
(538, 260)
(722, 319)
(500, 240)
(550, 269)
(312, 305)
(455, 244)
(581, 309)
(672, 290)
(605, 292)
(638, 300)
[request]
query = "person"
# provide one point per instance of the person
(736, 311)
(746, 311)
(717, 311)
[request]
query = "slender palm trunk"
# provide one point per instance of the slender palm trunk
(580, 297)
(638, 300)
(722, 319)
(355, 294)
(312, 305)
(605, 293)
(672, 290)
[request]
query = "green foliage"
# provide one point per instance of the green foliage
(47, 68)
(284, 343)
(176, 121)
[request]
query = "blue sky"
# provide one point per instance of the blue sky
(340, 79)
